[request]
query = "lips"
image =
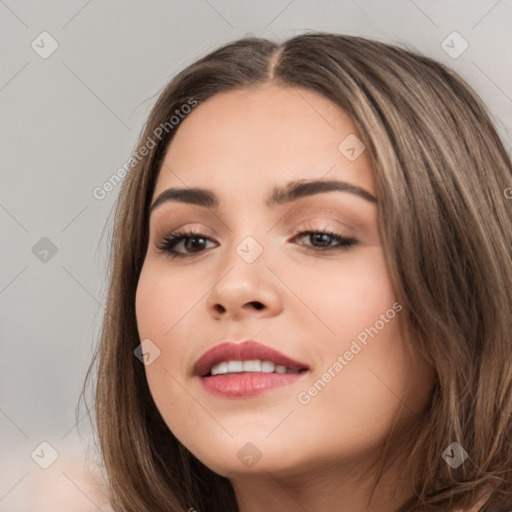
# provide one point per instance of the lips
(245, 351)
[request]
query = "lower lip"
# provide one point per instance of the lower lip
(248, 384)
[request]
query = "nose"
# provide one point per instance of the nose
(244, 289)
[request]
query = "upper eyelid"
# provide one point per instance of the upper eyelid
(312, 219)
(200, 231)
(323, 208)
(180, 235)
(348, 221)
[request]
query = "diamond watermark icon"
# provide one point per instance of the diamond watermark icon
(44, 45)
(351, 147)
(44, 455)
(454, 45)
(454, 455)
(147, 352)
(44, 250)
(249, 454)
(249, 249)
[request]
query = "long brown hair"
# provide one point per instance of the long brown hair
(445, 216)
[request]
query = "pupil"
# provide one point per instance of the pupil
(322, 237)
(193, 245)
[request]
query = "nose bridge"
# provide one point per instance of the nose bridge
(243, 281)
(243, 264)
(246, 240)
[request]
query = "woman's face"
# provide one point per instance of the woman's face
(254, 273)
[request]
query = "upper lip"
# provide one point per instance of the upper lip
(242, 351)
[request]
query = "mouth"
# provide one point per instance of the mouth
(234, 370)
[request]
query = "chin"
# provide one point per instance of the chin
(250, 454)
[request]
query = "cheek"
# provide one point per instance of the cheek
(362, 372)
(163, 302)
(346, 297)
(354, 403)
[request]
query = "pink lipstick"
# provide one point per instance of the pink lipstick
(235, 370)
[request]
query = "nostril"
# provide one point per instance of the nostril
(219, 308)
(257, 305)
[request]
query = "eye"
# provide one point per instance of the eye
(192, 241)
(322, 240)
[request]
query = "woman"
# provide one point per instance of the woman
(309, 302)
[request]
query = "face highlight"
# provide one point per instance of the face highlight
(304, 275)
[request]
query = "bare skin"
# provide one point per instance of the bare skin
(317, 450)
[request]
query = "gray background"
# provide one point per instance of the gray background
(69, 121)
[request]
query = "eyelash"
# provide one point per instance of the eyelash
(170, 241)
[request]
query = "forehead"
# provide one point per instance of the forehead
(261, 136)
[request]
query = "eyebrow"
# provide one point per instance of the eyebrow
(280, 195)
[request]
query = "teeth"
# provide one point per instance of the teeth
(220, 368)
(267, 366)
(253, 365)
(235, 366)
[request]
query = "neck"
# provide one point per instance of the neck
(321, 486)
